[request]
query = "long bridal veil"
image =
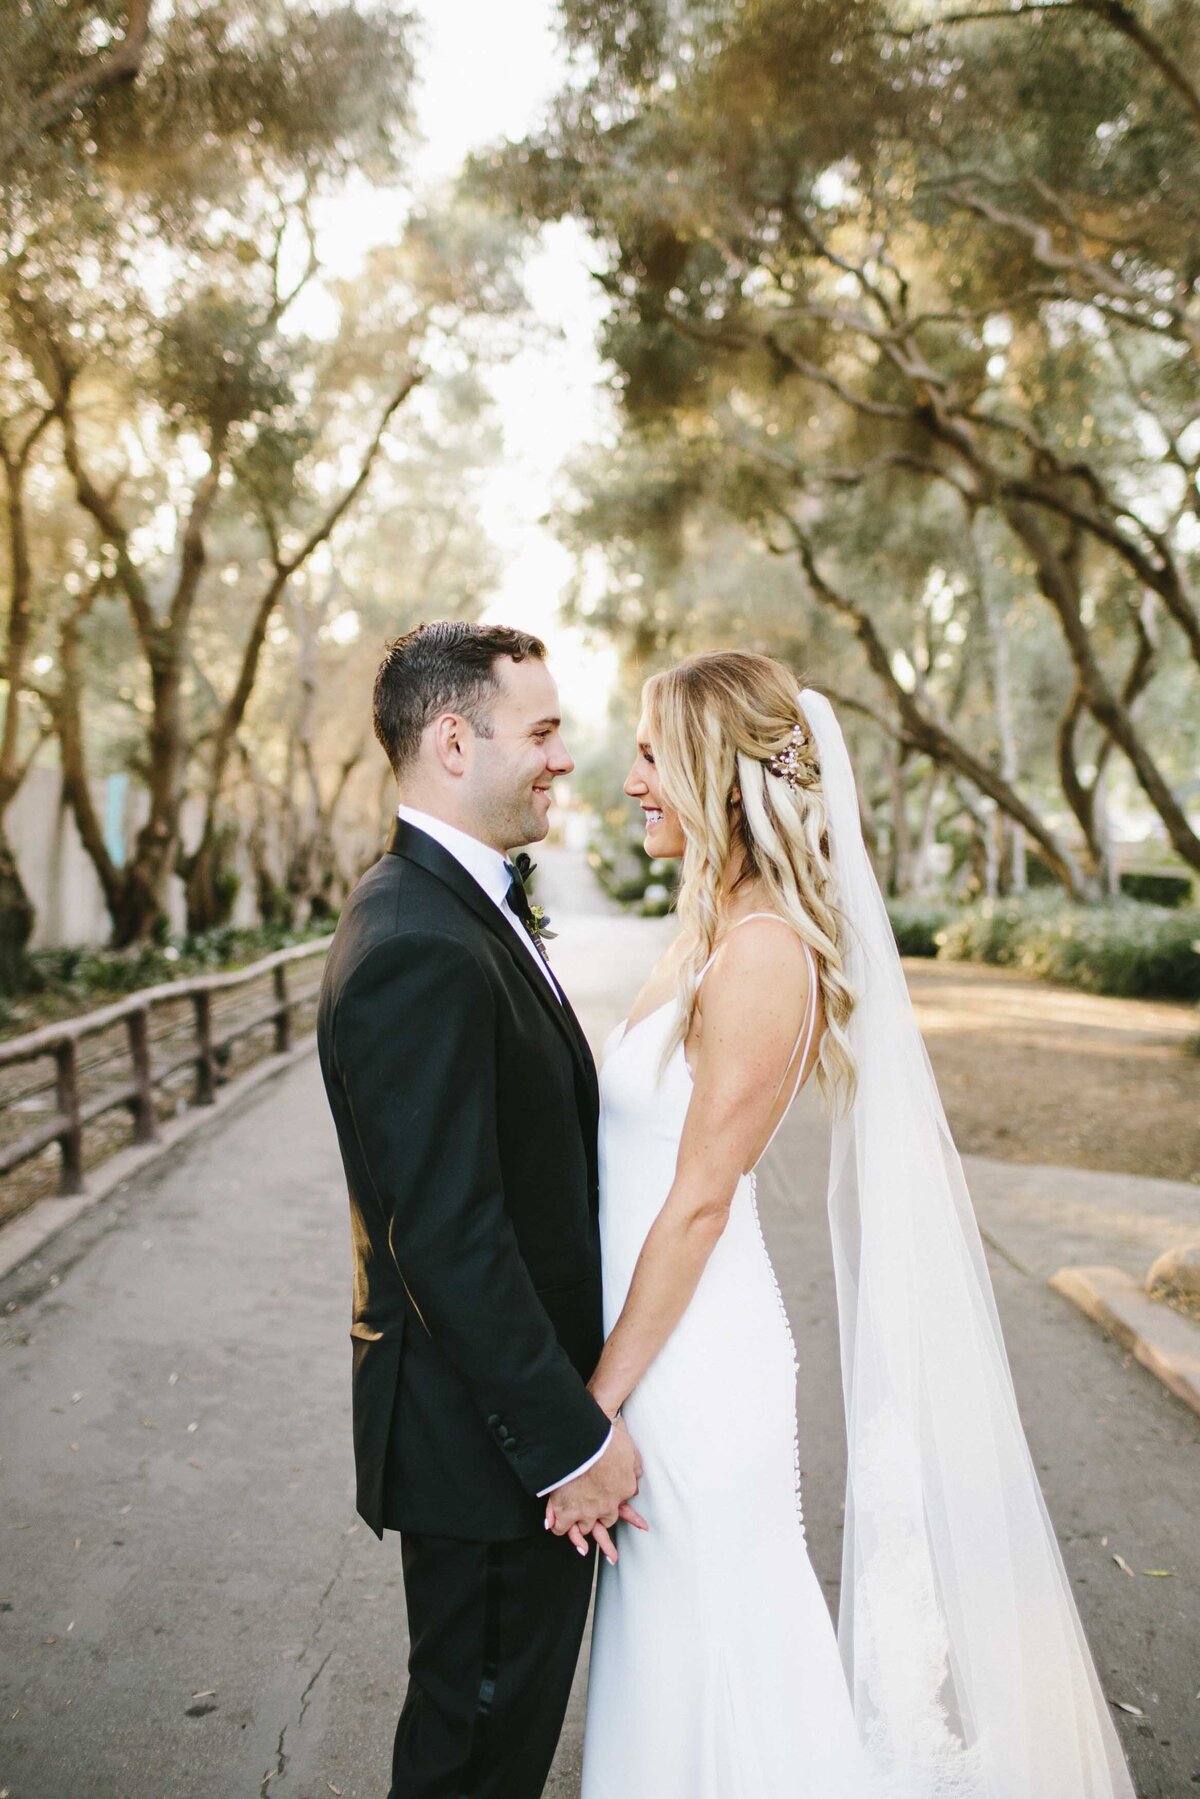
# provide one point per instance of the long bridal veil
(967, 1663)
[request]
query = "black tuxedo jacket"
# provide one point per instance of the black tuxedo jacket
(466, 1106)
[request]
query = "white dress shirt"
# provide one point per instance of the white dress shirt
(488, 869)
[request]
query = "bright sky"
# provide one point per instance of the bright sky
(550, 397)
(487, 71)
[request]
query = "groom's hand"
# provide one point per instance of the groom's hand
(594, 1500)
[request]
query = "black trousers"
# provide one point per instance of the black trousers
(495, 1630)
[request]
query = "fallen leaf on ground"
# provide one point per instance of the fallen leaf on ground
(1134, 1711)
(1160, 1573)
(1124, 1566)
(332, 1788)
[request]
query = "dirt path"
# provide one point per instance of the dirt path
(1031, 1072)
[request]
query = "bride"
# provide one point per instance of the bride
(959, 1669)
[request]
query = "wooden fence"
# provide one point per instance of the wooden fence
(138, 1063)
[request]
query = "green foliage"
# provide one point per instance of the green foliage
(892, 290)
(237, 89)
(1157, 889)
(92, 975)
(618, 859)
(1121, 947)
(252, 468)
(918, 924)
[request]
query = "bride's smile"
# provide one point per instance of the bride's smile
(664, 831)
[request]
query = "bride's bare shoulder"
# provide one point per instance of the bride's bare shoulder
(759, 969)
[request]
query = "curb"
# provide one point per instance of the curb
(31, 1231)
(1162, 1340)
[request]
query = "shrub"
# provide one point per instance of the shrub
(917, 924)
(86, 973)
(1157, 889)
(657, 900)
(618, 858)
(1123, 947)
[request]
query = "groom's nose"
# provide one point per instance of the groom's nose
(558, 757)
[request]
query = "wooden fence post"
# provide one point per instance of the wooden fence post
(70, 1177)
(206, 1062)
(145, 1118)
(283, 1017)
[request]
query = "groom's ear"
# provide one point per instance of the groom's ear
(448, 736)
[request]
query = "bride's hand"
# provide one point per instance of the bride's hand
(625, 1513)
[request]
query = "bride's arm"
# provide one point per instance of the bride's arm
(754, 998)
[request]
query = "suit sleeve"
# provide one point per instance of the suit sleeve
(414, 1044)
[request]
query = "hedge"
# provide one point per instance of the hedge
(1120, 946)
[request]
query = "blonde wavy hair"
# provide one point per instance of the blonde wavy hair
(716, 722)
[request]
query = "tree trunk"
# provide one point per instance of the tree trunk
(926, 731)
(209, 904)
(1108, 709)
(284, 570)
(927, 830)
(899, 871)
(16, 920)
(1012, 837)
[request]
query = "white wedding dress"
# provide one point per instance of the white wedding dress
(715, 1671)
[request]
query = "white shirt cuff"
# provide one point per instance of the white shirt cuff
(576, 1472)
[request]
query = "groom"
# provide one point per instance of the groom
(466, 1108)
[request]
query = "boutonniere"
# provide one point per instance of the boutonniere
(541, 923)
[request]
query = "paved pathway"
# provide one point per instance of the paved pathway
(190, 1609)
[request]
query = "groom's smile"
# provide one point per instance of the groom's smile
(515, 767)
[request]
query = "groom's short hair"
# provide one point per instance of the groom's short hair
(447, 666)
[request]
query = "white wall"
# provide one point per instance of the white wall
(54, 865)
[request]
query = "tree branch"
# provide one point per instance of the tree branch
(285, 568)
(924, 730)
(1114, 13)
(102, 509)
(121, 64)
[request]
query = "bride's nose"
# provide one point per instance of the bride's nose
(634, 784)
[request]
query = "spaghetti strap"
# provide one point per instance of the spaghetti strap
(806, 1034)
(779, 919)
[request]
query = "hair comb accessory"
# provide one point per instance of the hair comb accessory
(789, 764)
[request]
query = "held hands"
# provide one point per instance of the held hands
(591, 1504)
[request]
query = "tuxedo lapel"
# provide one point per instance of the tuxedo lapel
(417, 846)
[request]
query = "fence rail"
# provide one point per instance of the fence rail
(145, 1073)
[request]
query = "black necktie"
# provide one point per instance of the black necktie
(518, 901)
